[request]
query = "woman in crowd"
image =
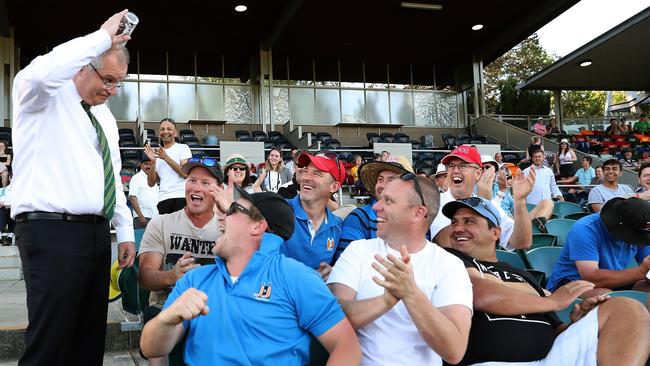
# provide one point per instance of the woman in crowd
(539, 127)
(498, 157)
(552, 128)
(236, 171)
(563, 162)
(274, 173)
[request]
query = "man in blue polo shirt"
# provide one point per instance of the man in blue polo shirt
(255, 306)
(315, 240)
(362, 222)
(600, 247)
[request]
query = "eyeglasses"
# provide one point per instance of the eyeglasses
(107, 84)
(205, 161)
(463, 167)
(414, 178)
(240, 168)
(476, 201)
(234, 207)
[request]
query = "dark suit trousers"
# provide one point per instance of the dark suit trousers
(66, 267)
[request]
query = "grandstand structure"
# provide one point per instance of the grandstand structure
(293, 67)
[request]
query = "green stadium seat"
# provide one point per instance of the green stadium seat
(559, 228)
(561, 209)
(576, 216)
(543, 240)
(138, 238)
(543, 259)
(564, 314)
(511, 258)
(637, 295)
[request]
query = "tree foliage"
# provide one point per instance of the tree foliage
(520, 63)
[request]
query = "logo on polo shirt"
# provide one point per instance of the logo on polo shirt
(330, 244)
(265, 292)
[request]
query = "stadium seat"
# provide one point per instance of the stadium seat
(543, 259)
(530, 206)
(323, 137)
(139, 233)
(239, 134)
(511, 258)
(344, 211)
(559, 228)
(258, 135)
(401, 137)
(576, 216)
(134, 298)
(561, 209)
(386, 137)
(372, 138)
(564, 314)
(543, 240)
(637, 295)
(415, 145)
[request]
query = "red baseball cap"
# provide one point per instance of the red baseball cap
(467, 153)
(324, 164)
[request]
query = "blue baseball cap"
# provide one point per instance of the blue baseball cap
(479, 205)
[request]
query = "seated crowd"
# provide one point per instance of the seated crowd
(244, 275)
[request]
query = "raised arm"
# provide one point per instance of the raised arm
(161, 333)
(522, 233)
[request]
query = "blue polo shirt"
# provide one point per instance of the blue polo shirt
(325, 246)
(589, 240)
(585, 176)
(359, 224)
(265, 317)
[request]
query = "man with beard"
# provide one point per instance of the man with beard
(167, 161)
(255, 305)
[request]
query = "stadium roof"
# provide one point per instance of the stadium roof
(376, 32)
(619, 61)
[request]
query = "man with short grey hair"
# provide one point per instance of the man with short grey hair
(66, 189)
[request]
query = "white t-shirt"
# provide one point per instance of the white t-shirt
(147, 196)
(441, 221)
(172, 185)
(173, 235)
(393, 339)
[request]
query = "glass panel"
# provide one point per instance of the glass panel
(424, 109)
(181, 78)
(182, 102)
(346, 84)
(124, 104)
(328, 109)
(377, 106)
(238, 104)
(353, 106)
(302, 105)
(446, 110)
(153, 77)
(281, 112)
(153, 101)
(210, 102)
(280, 105)
(401, 108)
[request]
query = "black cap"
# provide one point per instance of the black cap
(208, 163)
(627, 220)
(276, 211)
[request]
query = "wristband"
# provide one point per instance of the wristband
(636, 195)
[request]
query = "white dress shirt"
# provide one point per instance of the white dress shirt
(57, 161)
(545, 186)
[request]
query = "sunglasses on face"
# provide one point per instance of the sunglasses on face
(234, 207)
(205, 161)
(475, 202)
(240, 168)
(413, 177)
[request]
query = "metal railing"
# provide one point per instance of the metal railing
(570, 125)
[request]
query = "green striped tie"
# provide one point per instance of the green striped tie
(109, 178)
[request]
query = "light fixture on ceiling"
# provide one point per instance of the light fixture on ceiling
(420, 6)
(241, 8)
(585, 63)
(476, 27)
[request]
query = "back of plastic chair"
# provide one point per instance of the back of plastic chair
(139, 233)
(561, 209)
(511, 258)
(576, 216)
(564, 314)
(543, 259)
(543, 240)
(560, 228)
(637, 295)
